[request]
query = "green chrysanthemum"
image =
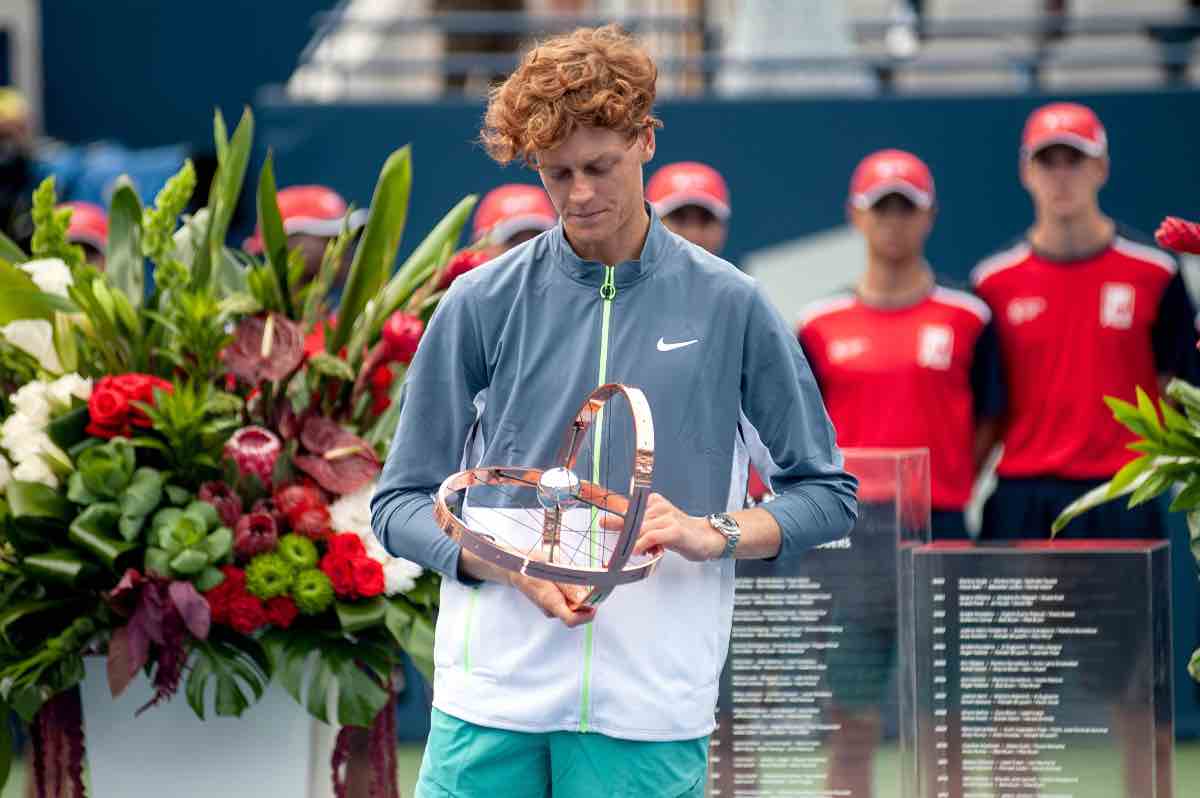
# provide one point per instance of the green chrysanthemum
(268, 576)
(299, 552)
(312, 591)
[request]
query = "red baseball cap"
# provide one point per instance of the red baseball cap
(891, 172)
(1072, 124)
(688, 183)
(513, 208)
(315, 210)
(89, 224)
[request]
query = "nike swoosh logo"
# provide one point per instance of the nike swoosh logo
(663, 346)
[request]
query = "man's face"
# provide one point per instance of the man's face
(698, 225)
(594, 179)
(894, 227)
(1063, 181)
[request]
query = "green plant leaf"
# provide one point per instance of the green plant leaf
(95, 531)
(233, 156)
(70, 428)
(359, 615)
(413, 632)
(20, 298)
(9, 250)
(1131, 417)
(310, 664)
(1146, 408)
(1189, 497)
(236, 667)
(420, 264)
(1152, 487)
(6, 747)
(380, 240)
(273, 236)
(331, 366)
(1129, 472)
(1188, 396)
(123, 261)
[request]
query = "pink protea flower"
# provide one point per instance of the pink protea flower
(222, 497)
(255, 534)
(254, 450)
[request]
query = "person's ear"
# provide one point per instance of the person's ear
(648, 145)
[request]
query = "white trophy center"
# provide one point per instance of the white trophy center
(558, 488)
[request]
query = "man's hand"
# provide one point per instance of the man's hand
(665, 526)
(555, 600)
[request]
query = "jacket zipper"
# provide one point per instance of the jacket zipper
(608, 292)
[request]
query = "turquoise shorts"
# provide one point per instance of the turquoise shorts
(463, 760)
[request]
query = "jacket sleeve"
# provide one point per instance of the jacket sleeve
(815, 497)
(447, 373)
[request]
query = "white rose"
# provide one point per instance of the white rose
(5, 473)
(399, 576)
(352, 512)
(50, 275)
(36, 470)
(69, 386)
(23, 437)
(31, 401)
(36, 337)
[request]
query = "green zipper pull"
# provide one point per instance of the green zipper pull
(608, 289)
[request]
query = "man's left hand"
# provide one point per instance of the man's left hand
(665, 526)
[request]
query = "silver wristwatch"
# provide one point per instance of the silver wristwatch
(724, 523)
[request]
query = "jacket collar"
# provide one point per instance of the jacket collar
(591, 272)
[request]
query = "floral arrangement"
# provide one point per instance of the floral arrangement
(1168, 447)
(185, 471)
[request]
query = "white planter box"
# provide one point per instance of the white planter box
(167, 752)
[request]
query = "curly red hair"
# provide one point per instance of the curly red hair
(594, 77)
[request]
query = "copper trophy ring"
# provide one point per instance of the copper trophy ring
(558, 491)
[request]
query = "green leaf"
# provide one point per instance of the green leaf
(1146, 408)
(9, 250)
(238, 670)
(412, 631)
(359, 615)
(123, 261)
(35, 500)
(20, 298)
(1153, 486)
(380, 240)
(232, 159)
(331, 366)
(1189, 497)
(420, 264)
(273, 236)
(1129, 472)
(1185, 394)
(95, 531)
(6, 746)
(1174, 419)
(309, 665)
(62, 566)
(1131, 417)
(1093, 498)
(70, 428)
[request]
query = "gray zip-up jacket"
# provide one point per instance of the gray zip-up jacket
(508, 357)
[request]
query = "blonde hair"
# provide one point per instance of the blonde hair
(593, 77)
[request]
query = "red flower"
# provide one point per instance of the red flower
(314, 523)
(281, 611)
(340, 571)
(381, 388)
(246, 613)
(461, 263)
(108, 409)
(140, 388)
(348, 545)
(1179, 235)
(221, 597)
(295, 498)
(234, 575)
(401, 334)
(368, 577)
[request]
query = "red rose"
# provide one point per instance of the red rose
(140, 388)
(108, 410)
(218, 601)
(348, 545)
(234, 575)
(341, 573)
(246, 613)
(368, 577)
(281, 611)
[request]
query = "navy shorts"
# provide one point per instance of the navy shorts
(1024, 509)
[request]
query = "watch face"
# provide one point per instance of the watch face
(725, 524)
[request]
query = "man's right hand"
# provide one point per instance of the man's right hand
(555, 600)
